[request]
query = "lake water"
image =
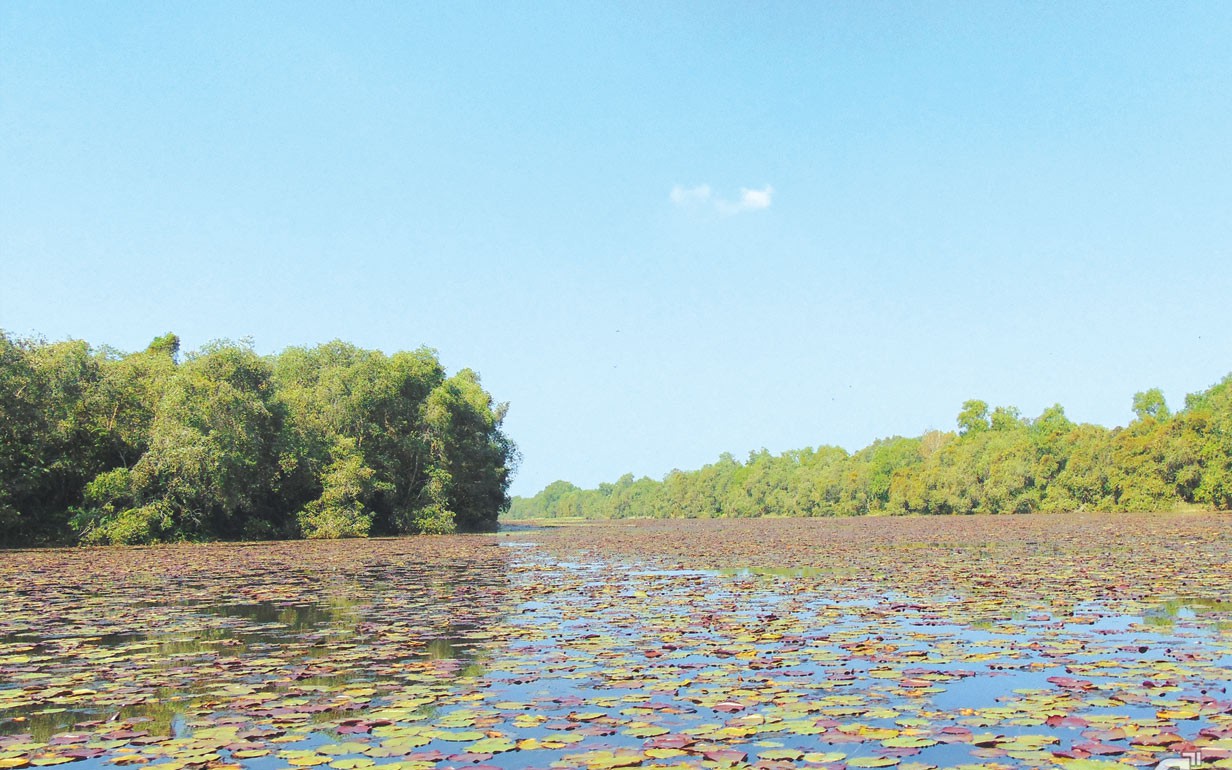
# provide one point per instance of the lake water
(1026, 641)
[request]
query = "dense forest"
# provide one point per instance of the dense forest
(221, 443)
(996, 462)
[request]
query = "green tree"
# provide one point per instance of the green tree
(340, 510)
(1006, 418)
(973, 418)
(347, 405)
(1150, 404)
(473, 456)
(213, 466)
(51, 443)
(1207, 427)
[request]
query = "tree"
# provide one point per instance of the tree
(1150, 404)
(1006, 418)
(51, 443)
(973, 418)
(356, 409)
(1207, 426)
(167, 346)
(345, 485)
(213, 466)
(473, 457)
(332, 441)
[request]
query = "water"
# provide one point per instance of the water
(420, 651)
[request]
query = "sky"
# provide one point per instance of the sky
(660, 231)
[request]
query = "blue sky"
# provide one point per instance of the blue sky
(662, 231)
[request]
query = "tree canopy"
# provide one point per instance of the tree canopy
(221, 443)
(996, 461)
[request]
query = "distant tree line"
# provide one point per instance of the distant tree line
(996, 462)
(324, 442)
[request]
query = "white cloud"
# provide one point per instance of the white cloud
(701, 195)
(688, 196)
(750, 200)
(756, 199)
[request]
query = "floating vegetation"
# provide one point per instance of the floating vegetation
(1026, 641)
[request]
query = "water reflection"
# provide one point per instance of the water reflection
(298, 617)
(1202, 610)
(777, 572)
(164, 715)
(370, 647)
(253, 626)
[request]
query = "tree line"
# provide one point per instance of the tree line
(97, 446)
(996, 461)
